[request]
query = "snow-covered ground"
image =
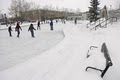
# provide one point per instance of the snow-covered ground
(15, 50)
(65, 61)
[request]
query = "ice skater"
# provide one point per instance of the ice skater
(18, 28)
(51, 25)
(31, 29)
(38, 25)
(75, 20)
(9, 30)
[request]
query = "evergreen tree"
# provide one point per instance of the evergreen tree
(93, 10)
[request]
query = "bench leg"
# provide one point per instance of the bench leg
(103, 73)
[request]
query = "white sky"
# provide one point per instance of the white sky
(72, 4)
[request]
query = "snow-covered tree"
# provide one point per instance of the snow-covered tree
(94, 10)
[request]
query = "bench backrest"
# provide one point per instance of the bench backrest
(107, 57)
(106, 54)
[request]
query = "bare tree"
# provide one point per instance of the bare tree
(19, 8)
(78, 10)
(37, 12)
(45, 12)
(14, 8)
(26, 8)
(57, 8)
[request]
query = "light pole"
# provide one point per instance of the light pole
(119, 6)
(1, 13)
(111, 14)
(6, 20)
(110, 7)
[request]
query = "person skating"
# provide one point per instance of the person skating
(38, 25)
(75, 20)
(31, 29)
(51, 25)
(18, 28)
(9, 30)
(56, 21)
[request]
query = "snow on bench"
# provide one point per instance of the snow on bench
(101, 60)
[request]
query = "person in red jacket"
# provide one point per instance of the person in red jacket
(18, 28)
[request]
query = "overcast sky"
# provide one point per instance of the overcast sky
(72, 4)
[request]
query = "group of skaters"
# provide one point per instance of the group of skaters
(31, 28)
(17, 29)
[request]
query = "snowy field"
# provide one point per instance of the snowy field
(39, 58)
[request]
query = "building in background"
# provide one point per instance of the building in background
(79, 16)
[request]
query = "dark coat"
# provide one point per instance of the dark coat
(38, 23)
(31, 28)
(9, 28)
(51, 23)
(17, 27)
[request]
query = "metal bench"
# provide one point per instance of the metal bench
(109, 63)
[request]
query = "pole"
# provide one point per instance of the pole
(6, 20)
(119, 6)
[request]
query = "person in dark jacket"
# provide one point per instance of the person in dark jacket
(56, 21)
(38, 25)
(31, 29)
(75, 20)
(18, 28)
(51, 25)
(9, 30)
